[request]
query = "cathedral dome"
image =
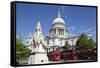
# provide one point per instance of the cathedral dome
(58, 20)
(58, 28)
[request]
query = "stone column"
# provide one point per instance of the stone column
(59, 31)
(53, 31)
(64, 32)
(56, 31)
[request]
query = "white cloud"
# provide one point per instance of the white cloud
(63, 7)
(71, 29)
(84, 29)
(72, 34)
(89, 29)
(76, 31)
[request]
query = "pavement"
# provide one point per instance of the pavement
(62, 61)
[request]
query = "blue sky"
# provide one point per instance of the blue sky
(77, 19)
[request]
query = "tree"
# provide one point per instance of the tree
(21, 50)
(85, 47)
(59, 48)
(66, 46)
(85, 43)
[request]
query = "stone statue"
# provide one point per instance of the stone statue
(38, 54)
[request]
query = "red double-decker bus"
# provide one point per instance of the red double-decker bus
(54, 55)
(59, 55)
(69, 55)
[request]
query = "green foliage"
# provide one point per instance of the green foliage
(85, 43)
(21, 50)
(66, 46)
(59, 48)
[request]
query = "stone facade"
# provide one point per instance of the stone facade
(59, 34)
(40, 45)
